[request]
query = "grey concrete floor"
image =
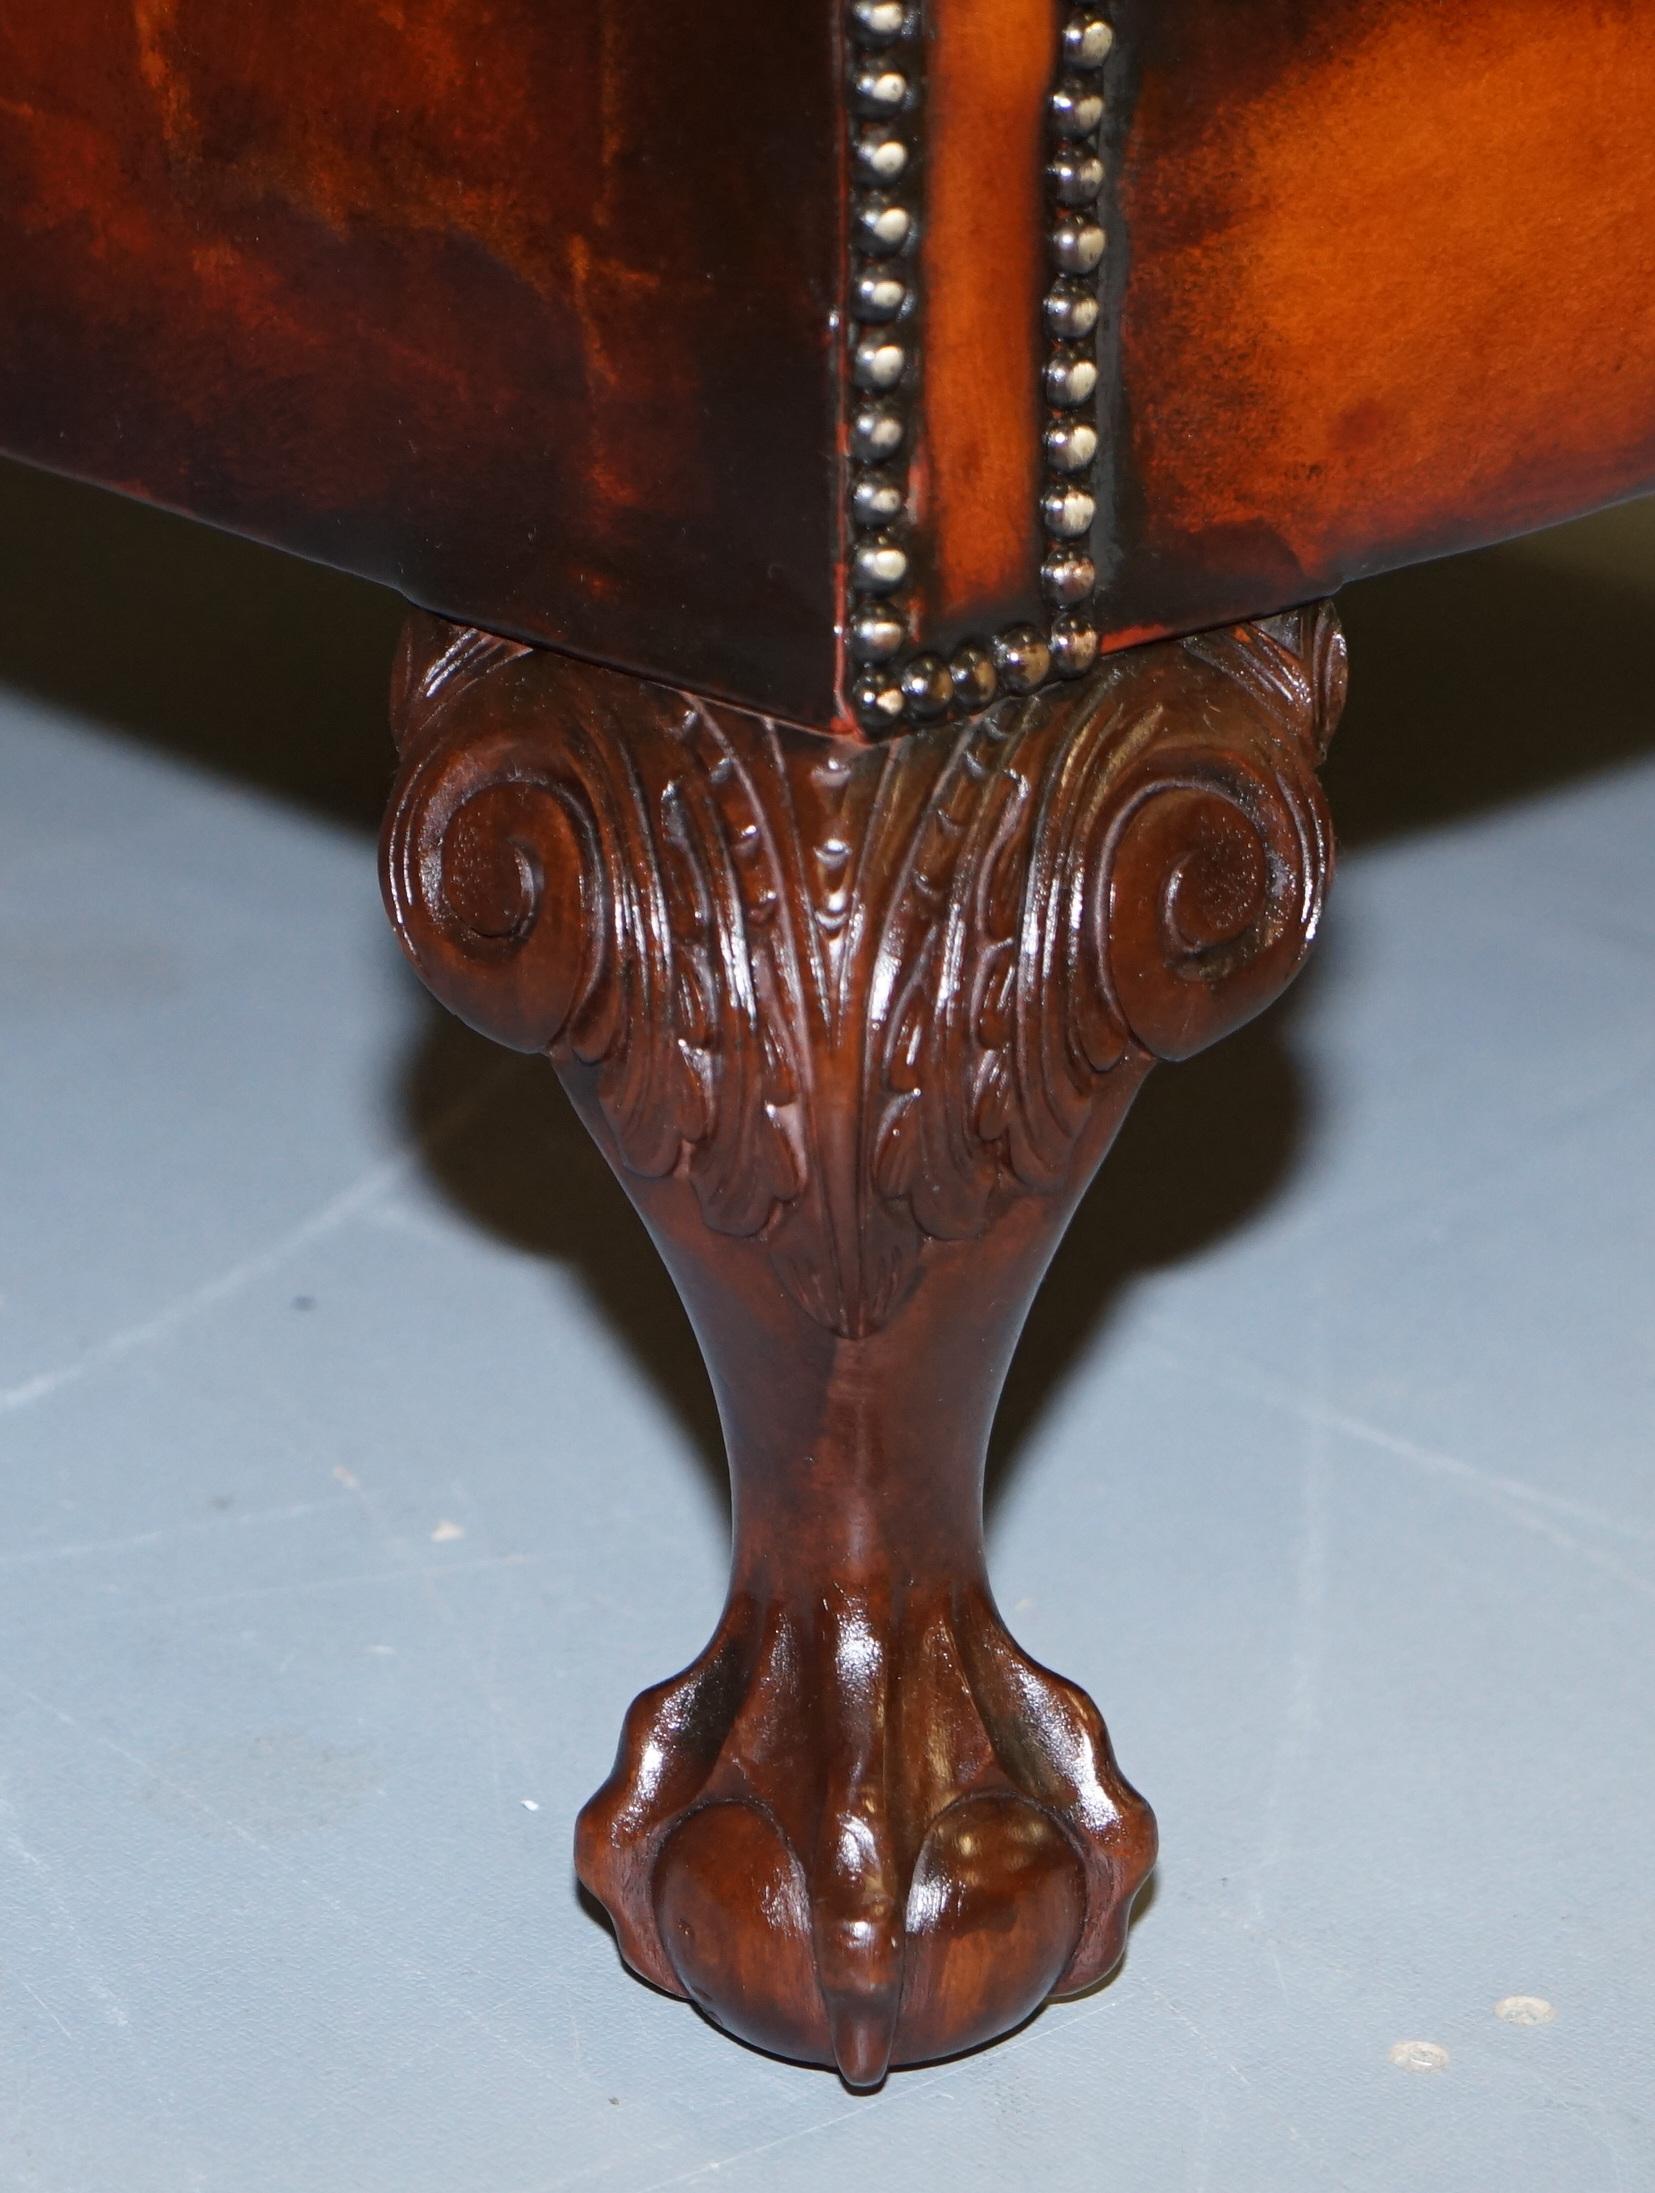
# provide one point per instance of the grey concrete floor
(357, 1469)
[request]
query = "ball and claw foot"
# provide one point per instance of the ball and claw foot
(783, 1844)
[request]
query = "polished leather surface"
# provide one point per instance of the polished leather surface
(521, 308)
(1392, 288)
(530, 312)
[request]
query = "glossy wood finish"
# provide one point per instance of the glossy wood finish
(1392, 288)
(855, 1027)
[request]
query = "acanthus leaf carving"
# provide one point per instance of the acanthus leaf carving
(957, 932)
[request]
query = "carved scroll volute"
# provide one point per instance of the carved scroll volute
(1221, 851)
(486, 862)
(1215, 896)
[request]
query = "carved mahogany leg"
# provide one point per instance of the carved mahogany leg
(855, 1026)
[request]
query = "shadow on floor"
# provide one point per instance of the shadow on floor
(233, 657)
(1496, 677)
(1477, 682)
(532, 1176)
(1203, 1149)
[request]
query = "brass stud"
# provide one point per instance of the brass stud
(1077, 244)
(879, 294)
(1075, 110)
(976, 681)
(1023, 659)
(879, 563)
(1072, 311)
(876, 633)
(1074, 646)
(877, 431)
(877, 702)
(1087, 40)
(927, 687)
(878, 362)
(877, 498)
(1076, 178)
(1071, 445)
(1071, 378)
(879, 89)
(1068, 512)
(880, 156)
(883, 225)
(1068, 578)
(879, 22)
